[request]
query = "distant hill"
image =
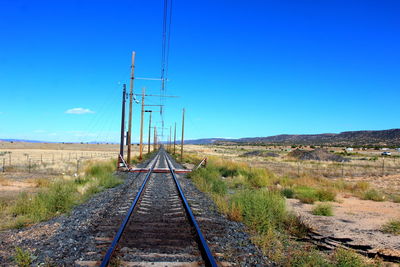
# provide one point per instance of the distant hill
(351, 138)
(205, 141)
(22, 140)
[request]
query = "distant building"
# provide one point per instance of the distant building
(398, 149)
(384, 148)
(348, 149)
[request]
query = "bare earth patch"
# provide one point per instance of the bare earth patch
(388, 183)
(356, 223)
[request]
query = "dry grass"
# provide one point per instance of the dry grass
(254, 199)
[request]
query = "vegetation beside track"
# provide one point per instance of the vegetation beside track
(256, 197)
(58, 196)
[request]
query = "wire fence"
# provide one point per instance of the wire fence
(50, 163)
(356, 168)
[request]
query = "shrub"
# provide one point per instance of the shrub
(227, 171)
(374, 195)
(287, 192)
(209, 180)
(392, 227)
(219, 187)
(326, 195)
(261, 210)
(323, 209)
(308, 258)
(22, 258)
(258, 177)
(347, 258)
(59, 198)
(306, 194)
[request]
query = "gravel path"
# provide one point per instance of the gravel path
(70, 239)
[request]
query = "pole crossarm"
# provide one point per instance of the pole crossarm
(158, 95)
(150, 79)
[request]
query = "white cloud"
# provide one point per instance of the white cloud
(79, 111)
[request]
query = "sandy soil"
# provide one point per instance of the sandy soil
(356, 223)
(388, 184)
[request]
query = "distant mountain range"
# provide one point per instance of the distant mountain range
(351, 138)
(36, 141)
(23, 140)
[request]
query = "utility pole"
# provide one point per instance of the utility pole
(141, 126)
(148, 142)
(155, 138)
(170, 138)
(183, 133)
(121, 146)
(130, 107)
(175, 139)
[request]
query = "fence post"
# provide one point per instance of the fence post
(77, 167)
(342, 169)
(4, 164)
(29, 165)
(9, 159)
(383, 166)
(41, 159)
(53, 158)
(298, 168)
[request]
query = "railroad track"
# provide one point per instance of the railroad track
(159, 228)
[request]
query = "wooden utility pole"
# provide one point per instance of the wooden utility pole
(155, 138)
(141, 126)
(148, 142)
(121, 146)
(130, 107)
(175, 139)
(170, 139)
(183, 133)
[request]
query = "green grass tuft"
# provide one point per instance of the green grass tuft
(22, 258)
(261, 209)
(287, 192)
(323, 209)
(392, 227)
(373, 194)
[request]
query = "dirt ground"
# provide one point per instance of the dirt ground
(356, 223)
(390, 184)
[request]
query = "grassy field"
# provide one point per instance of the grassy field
(256, 197)
(364, 165)
(41, 181)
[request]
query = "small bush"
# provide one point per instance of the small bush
(287, 192)
(308, 258)
(261, 210)
(396, 198)
(258, 177)
(392, 227)
(306, 194)
(361, 186)
(209, 180)
(323, 209)
(347, 258)
(22, 258)
(326, 195)
(374, 195)
(227, 171)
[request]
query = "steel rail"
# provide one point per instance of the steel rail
(110, 251)
(205, 250)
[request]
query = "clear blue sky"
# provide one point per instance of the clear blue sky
(242, 68)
